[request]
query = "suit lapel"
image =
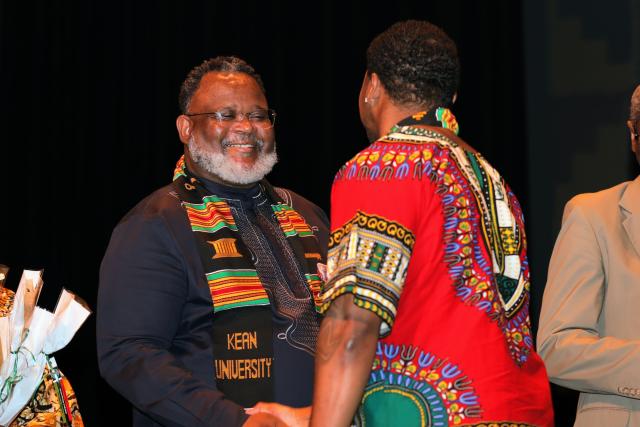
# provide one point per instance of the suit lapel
(630, 203)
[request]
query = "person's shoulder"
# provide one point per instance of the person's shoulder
(598, 200)
(600, 208)
(155, 220)
(159, 203)
(294, 199)
(159, 209)
(307, 208)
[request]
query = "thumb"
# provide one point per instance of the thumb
(259, 407)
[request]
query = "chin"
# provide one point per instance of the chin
(245, 162)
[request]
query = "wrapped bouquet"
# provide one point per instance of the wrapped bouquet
(29, 377)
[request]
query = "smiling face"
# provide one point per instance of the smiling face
(237, 151)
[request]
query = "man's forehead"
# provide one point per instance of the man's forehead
(218, 85)
(222, 79)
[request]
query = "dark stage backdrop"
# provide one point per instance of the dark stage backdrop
(88, 99)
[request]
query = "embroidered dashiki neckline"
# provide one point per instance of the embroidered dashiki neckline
(439, 117)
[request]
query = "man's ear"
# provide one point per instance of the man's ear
(185, 127)
(455, 98)
(374, 88)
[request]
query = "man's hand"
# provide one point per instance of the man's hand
(293, 417)
(263, 419)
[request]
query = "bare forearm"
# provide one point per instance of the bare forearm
(346, 346)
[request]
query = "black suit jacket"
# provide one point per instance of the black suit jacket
(154, 316)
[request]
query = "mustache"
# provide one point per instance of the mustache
(241, 139)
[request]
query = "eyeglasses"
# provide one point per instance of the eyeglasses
(261, 118)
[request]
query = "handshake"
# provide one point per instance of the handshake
(277, 415)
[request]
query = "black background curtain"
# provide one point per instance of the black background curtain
(88, 96)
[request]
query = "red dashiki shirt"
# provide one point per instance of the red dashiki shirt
(430, 238)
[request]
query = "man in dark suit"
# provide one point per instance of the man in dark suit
(209, 287)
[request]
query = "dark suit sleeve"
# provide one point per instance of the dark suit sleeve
(143, 291)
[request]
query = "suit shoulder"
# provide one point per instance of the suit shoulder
(161, 203)
(607, 198)
(597, 207)
(295, 200)
(308, 209)
(157, 221)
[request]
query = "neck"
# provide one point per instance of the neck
(390, 114)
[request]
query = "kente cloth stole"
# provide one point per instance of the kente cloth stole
(242, 325)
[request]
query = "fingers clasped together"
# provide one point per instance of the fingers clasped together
(277, 415)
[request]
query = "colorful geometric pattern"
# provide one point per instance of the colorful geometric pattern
(46, 408)
(179, 169)
(480, 212)
(315, 286)
(291, 222)
(411, 387)
(210, 216)
(232, 277)
(374, 223)
(225, 248)
(236, 288)
(499, 424)
(402, 155)
(368, 257)
(447, 119)
(438, 117)
(502, 232)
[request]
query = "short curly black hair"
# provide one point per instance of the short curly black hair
(416, 62)
(227, 64)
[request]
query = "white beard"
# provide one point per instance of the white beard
(218, 164)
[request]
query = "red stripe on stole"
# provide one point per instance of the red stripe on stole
(222, 301)
(255, 288)
(208, 216)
